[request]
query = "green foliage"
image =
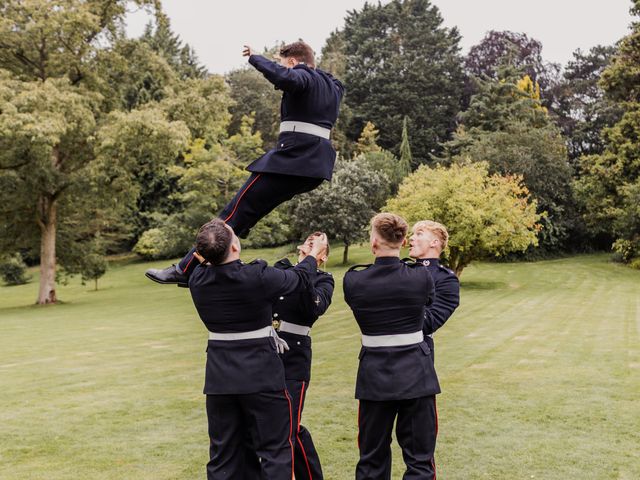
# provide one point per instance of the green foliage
(202, 104)
(507, 126)
(130, 75)
(368, 141)
(486, 215)
(498, 103)
(245, 144)
(181, 57)
(406, 158)
(609, 189)
(539, 156)
(13, 270)
(253, 95)
(205, 183)
(579, 104)
(272, 231)
(344, 207)
(400, 60)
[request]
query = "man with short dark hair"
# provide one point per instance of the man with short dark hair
(303, 156)
(245, 380)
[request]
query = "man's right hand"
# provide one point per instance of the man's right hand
(247, 51)
(319, 245)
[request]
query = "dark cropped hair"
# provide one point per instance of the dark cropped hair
(300, 51)
(391, 228)
(213, 241)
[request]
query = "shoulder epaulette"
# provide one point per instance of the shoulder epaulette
(445, 269)
(322, 272)
(258, 261)
(283, 263)
(411, 263)
(359, 267)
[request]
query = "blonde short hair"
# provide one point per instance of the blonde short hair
(436, 228)
(391, 228)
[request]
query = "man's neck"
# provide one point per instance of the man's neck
(430, 253)
(387, 252)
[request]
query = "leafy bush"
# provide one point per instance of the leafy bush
(14, 271)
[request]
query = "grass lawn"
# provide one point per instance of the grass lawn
(540, 371)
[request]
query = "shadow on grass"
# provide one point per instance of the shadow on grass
(479, 285)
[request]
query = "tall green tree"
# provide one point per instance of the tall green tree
(52, 116)
(342, 208)
(180, 56)
(486, 215)
(610, 184)
(508, 127)
(580, 106)
(401, 60)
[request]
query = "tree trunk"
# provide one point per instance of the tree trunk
(96, 284)
(47, 210)
(345, 254)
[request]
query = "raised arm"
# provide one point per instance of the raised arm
(446, 301)
(319, 297)
(287, 79)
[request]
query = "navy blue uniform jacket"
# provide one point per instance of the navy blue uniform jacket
(447, 299)
(309, 95)
(302, 308)
(238, 297)
(390, 297)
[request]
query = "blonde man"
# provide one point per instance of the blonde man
(428, 240)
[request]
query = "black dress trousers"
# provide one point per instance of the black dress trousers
(265, 418)
(416, 430)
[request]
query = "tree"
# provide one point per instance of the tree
(406, 158)
(51, 115)
(486, 215)
(382, 161)
(402, 61)
(253, 95)
(342, 208)
(368, 141)
(505, 48)
(181, 57)
(610, 185)
(507, 126)
(580, 106)
(538, 155)
(206, 181)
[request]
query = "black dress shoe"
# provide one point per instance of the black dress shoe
(169, 275)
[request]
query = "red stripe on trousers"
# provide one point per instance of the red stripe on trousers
(240, 198)
(286, 394)
(433, 460)
(304, 454)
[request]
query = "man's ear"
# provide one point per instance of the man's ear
(235, 247)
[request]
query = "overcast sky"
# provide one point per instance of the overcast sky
(218, 29)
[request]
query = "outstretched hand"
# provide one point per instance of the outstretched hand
(247, 51)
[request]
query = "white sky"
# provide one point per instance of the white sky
(217, 29)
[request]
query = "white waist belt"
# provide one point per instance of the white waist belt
(261, 332)
(304, 127)
(392, 340)
(293, 328)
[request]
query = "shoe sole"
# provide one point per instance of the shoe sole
(154, 279)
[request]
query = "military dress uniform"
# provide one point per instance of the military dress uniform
(245, 380)
(297, 313)
(303, 156)
(447, 299)
(396, 375)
